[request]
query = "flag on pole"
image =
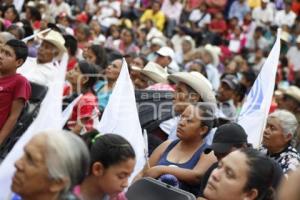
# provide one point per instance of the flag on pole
(121, 117)
(257, 105)
(49, 117)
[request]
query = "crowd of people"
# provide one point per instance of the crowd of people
(207, 53)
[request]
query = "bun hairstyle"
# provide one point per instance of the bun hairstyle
(262, 174)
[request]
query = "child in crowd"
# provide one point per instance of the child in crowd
(112, 162)
(82, 78)
(15, 89)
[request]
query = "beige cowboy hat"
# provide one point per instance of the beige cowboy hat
(285, 36)
(294, 92)
(57, 40)
(155, 72)
(196, 81)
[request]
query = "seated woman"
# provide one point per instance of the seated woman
(277, 138)
(96, 55)
(112, 162)
(104, 88)
(184, 157)
(82, 79)
(242, 174)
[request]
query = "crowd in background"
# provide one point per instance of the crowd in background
(207, 51)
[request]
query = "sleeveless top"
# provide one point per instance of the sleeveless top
(190, 164)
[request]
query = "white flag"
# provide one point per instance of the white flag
(257, 105)
(121, 116)
(49, 117)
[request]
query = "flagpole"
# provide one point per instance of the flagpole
(35, 34)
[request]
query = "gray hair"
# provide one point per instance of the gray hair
(6, 36)
(288, 121)
(67, 156)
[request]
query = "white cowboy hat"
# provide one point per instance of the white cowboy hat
(155, 72)
(196, 81)
(57, 40)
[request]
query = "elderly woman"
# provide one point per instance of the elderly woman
(51, 166)
(183, 159)
(280, 129)
(242, 174)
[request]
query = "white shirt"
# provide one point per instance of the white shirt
(293, 55)
(213, 76)
(42, 74)
(196, 15)
(107, 18)
(262, 43)
(262, 16)
(172, 11)
(18, 4)
(283, 18)
(55, 9)
(177, 42)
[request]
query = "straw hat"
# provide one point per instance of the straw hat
(57, 40)
(294, 92)
(166, 52)
(285, 36)
(155, 72)
(196, 81)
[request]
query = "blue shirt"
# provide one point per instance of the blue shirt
(190, 164)
(238, 10)
(102, 96)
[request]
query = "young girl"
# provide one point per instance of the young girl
(112, 162)
(82, 79)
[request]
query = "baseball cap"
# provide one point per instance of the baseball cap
(226, 136)
(231, 81)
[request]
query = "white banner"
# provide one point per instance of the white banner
(255, 110)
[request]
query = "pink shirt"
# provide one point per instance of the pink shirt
(120, 196)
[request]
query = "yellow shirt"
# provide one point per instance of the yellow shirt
(158, 18)
(254, 3)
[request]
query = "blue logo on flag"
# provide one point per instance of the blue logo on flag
(254, 98)
(16, 197)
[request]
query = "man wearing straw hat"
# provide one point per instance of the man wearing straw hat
(43, 69)
(153, 77)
